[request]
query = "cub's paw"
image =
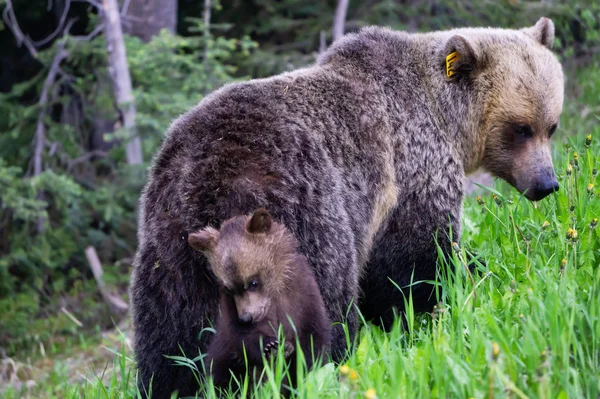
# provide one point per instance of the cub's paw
(270, 346)
(288, 349)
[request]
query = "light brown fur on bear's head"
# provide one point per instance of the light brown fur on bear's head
(251, 256)
(519, 84)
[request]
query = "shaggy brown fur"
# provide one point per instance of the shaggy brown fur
(265, 283)
(361, 156)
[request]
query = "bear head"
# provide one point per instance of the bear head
(252, 257)
(519, 84)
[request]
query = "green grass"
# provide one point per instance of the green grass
(527, 325)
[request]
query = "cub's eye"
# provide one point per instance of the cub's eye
(523, 131)
(252, 285)
(552, 130)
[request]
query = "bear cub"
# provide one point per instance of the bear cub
(264, 282)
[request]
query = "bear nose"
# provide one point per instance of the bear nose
(544, 188)
(245, 318)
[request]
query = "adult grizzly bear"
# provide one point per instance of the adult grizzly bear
(361, 156)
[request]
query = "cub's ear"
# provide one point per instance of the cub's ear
(542, 32)
(260, 222)
(460, 57)
(204, 240)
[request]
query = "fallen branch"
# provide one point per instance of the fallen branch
(85, 157)
(116, 305)
(72, 317)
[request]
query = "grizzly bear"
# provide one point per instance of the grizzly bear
(265, 283)
(361, 156)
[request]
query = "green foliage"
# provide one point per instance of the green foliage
(81, 198)
(172, 73)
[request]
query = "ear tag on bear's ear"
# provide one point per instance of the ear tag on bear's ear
(451, 59)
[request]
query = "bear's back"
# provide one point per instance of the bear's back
(280, 141)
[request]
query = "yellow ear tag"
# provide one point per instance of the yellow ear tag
(451, 59)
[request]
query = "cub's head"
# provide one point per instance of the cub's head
(519, 84)
(250, 255)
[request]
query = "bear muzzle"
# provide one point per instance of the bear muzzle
(542, 187)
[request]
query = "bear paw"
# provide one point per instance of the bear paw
(288, 349)
(272, 345)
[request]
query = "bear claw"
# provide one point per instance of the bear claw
(272, 346)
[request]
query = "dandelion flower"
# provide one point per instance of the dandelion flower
(569, 169)
(495, 351)
(344, 370)
(545, 225)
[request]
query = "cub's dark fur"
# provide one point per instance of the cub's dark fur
(361, 156)
(265, 283)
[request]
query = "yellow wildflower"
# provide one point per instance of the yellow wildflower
(545, 225)
(370, 394)
(495, 351)
(569, 169)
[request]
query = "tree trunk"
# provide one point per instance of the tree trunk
(207, 9)
(119, 72)
(339, 19)
(40, 130)
(146, 18)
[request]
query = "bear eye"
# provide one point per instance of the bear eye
(523, 131)
(252, 285)
(552, 130)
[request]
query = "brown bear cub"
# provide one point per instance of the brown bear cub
(265, 282)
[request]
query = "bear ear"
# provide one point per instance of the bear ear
(204, 240)
(542, 32)
(460, 57)
(260, 222)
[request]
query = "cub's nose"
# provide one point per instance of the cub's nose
(245, 318)
(543, 188)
